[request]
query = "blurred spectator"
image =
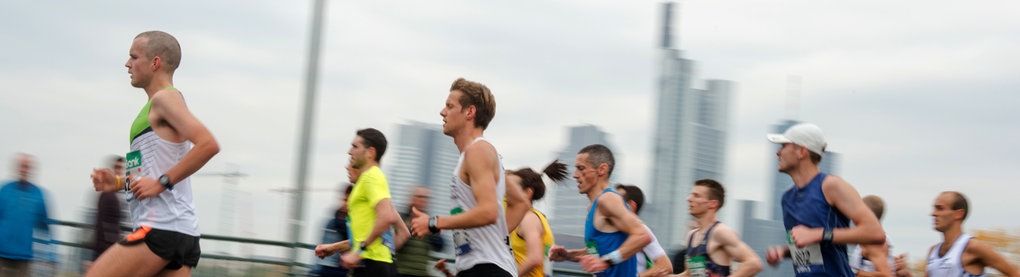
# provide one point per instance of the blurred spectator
(335, 231)
(22, 211)
(413, 259)
(108, 214)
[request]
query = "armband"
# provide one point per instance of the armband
(612, 258)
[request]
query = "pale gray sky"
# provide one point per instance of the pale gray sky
(918, 96)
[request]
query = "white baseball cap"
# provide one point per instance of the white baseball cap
(803, 134)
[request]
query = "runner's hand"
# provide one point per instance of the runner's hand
(901, 265)
(322, 251)
(419, 223)
(145, 187)
(593, 264)
(104, 180)
(351, 260)
(441, 267)
(774, 254)
(557, 253)
(804, 236)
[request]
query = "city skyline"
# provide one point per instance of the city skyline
(918, 97)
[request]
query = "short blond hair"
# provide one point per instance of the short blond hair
(478, 95)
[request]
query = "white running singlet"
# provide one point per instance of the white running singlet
(485, 244)
(151, 156)
(950, 265)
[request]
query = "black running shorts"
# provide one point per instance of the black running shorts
(179, 248)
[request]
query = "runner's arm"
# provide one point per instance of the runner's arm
(750, 264)
(612, 206)
(844, 197)
(879, 257)
(558, 254)
(517, 205)
(171, 108)
(402, 232)
(531, 230)
(661, 265)
(481, 165)
(988, 257)
(385, 217)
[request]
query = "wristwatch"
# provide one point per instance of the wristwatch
(164, 180)
(432, 225)
(827, 235)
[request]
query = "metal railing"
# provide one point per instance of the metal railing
(298, 245)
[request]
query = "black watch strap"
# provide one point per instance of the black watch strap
(164, 180)
(432, 225)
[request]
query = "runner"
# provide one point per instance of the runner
(713, 246)
(818, 209)
(612, 234)
(370, 211)
(964, 256)
(867, 259)
(478, 220)
(651, 260)
(168, 144)
(533, 237)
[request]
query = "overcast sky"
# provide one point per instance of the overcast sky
(919, 97)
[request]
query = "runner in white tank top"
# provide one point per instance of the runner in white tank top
(151, 156)
(965, 255)
(950, 264)
(479, 220)
(168, 144)
(486, 244)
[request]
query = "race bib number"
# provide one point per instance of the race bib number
(696, 266)
(461, 241)
(133, 166)
(806, 257)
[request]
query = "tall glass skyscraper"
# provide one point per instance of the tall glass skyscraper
(689, 142)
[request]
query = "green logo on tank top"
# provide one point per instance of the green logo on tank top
(591, 248)
(133, 160)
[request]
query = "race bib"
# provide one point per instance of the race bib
(133, 166)
(461, 241)
(806, 257)
(696, 266)
(591, 248)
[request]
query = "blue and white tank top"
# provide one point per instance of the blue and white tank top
(807, 206)
(601, 243)
(485, 244)
(950, 264)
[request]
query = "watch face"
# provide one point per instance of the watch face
(164, 180)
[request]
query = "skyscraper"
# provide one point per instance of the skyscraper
(690, 138)
(569, 207)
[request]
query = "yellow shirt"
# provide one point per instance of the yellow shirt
(368, 191)
(520, 247)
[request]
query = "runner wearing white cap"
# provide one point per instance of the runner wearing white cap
(818, 209)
